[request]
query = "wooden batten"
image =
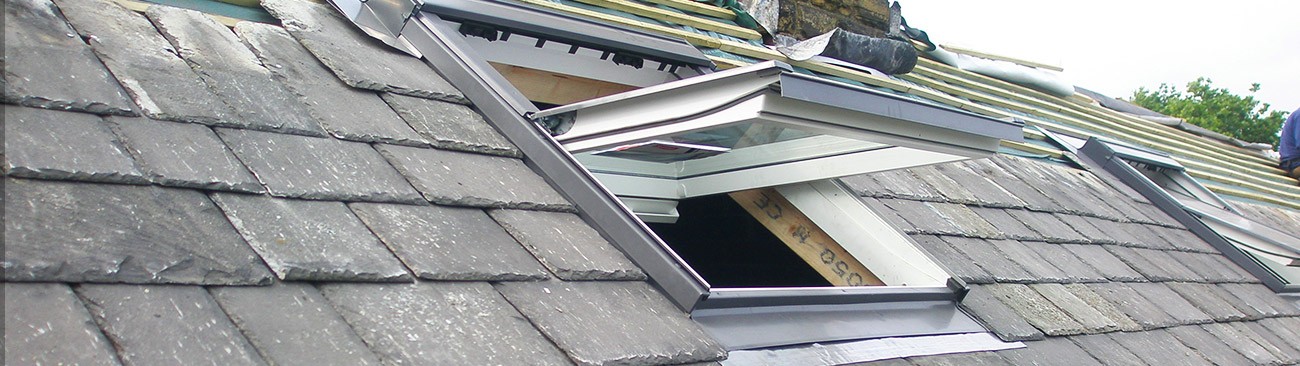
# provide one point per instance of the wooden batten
(553, 88)
(805, 238)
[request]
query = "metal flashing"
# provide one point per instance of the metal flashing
(553, 25)
(856, 352)
(759, 327)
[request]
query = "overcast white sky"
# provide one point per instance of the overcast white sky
(1114, 47)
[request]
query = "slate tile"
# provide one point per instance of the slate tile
(1140, 263)
(457, 178)
(1260, 299)
(923, 217)
(1033, 198)
(960, 359)
(144, 63)
(1288, 328)
(1084, 226)
(1105, 349)
(985, 191)
(46, 324)
(961, 265)
(1133, 304)
(1123, 207)
(1251, 313)
(311, 240)
(1238, 274)
(1143, 237)
(1074, 269)
(77, 232)
(992, 260)
(1103, 306)
(998, 317)
(599, 323)
(292, 324)
(1175, 268)
(444, 323)
(1048, 227)
(900, 184)
(888, 214)
(167, 325)
(951, 191)
(1171, 302)
(1067, 183)
(62, 145)
(1159, 347)
(1203, 266)
(1203, 297)
(1242, 343)
(1049, 352)
(451, 126)
(450, 243)
(1038, 267)
(1008, 226)
(345, 112)
(1184, 240)
(1112, 231)
(1208, 346)
(232, 72)
(184, 155)
(567, 246)
(354, 57)
(1032, 174)
(316, 168)
(57, 70)
(1284, 354)
(1081, 311)
(1097, 257)
(1037, 310)
(967, 221)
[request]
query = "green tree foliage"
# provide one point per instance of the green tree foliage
(1216, 109)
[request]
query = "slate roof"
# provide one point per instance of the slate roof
(1065, 261)
(180, 192)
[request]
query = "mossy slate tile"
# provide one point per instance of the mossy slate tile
(984, 191)
(465, 179)
(81, 232)
(145, 64)
(612, 323)
(232, 72)
(58, 70)
(345, 112)
(46, 324)
(184, 155)
(450, 126)
(167, 325)
(441, 323)
(1037, 310)
(1134, 305)
(1036, 265)
(1103, 306)
(319, 168)
(292, 324)
(48, 144)
(355, 58)
(1078, 309)
(998, 317)
(567, 246)
(450, 243)
(311, 240)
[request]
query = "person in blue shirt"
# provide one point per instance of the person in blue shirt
(1289, 148)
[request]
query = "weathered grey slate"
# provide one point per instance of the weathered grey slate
(1242, 343)
(1144, 237)
(1105, 349)
(1183, 239)
(1249, 312)
(1288, 328)
(1103, 306)
(311, 240)
(941, 180)
(1008, 226)
(457, 178)
(316, 168)
(1050, 352)
(184, 155)
(960, 359)
(1207, 345)
(1134, 305)
(1050, 228)
(1029, 260)
(1167, 263)
(612, 323)
(357, 59)
(1140, 263)
(64, 145)
(961, 265)
(1084, 226)
(1262, 335)
(567, 246)
(232, 72)
(167, 325)
(347, 113)
(1078, 309)
(1057, 255)
(992, 260)
(45, 324)
(1111, 232)
(998, 317)
(892, 184)
(970, 176)
(1036, 310)
(888, 214)
(1203, 266)
(292, 324)
(79, 232)
(58, 70)
(1097, 257)
(923, 216)
(146, 65)
(967, 221)
(451, 126)
(450, 243)
(1237, 274)
(993, 169)
(441, 323)
(1159, 347)
(1262, 299)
